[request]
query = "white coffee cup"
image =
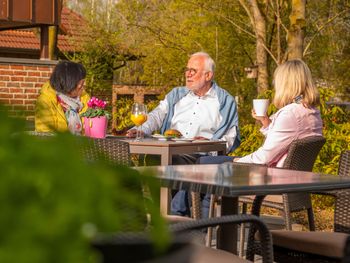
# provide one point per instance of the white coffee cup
(260, 106)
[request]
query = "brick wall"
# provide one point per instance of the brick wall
(20, 82)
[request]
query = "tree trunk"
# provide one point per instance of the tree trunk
(261, 53)
(295, 36)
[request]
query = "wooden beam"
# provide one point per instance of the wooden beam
(44, 42)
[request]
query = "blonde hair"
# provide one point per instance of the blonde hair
(293, 79)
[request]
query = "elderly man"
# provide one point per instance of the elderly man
(201, 109)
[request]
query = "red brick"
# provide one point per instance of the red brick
(30, 101)
(13, 84)
(16, 90)
(17, 67)
(30, 67)
(4, 78)
(45, 74)
(31, 90)
(34, 73)
(19, 96)
(16, 78)
(43, 80)
(20, 73)
(44, 69)
(31, 79)
(38, 85)
(4, 101)
(5, 90)
(26, 85)
(6, 96)
(2, 66)
(30, 107)
(17, 101)
(32, 96)
(6, 72)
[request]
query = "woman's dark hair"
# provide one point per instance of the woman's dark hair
(66, 76)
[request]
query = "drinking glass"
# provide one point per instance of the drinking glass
(138, 117)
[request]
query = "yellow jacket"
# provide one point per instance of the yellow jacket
(49, 115)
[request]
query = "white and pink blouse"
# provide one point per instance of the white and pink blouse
(291, 122)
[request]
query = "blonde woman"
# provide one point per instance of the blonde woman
(296, 97)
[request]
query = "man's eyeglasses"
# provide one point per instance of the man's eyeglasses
(191, 71)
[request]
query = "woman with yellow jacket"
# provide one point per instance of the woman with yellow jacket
(62, 100)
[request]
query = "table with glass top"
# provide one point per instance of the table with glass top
(231, 180)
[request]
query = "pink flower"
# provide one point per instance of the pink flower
(96, 103)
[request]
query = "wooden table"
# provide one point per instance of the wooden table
(166, 149)
(231, 180)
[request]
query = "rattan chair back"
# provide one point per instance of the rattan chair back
(301, 156)
(110, 150)
(342, 200)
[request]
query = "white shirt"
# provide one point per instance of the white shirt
(193, 116)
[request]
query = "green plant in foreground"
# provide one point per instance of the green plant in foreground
(53, 202)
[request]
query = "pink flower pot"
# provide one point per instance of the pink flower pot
(95, 127)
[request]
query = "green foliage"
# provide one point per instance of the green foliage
(53, 202)
(336, 131)
(91, 113)
(251, 139)
(123, 113)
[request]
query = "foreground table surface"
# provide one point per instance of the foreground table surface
(231, 180)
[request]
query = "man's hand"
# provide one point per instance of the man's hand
(131, 133)
(235, 159)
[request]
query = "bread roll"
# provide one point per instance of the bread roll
(172, 133)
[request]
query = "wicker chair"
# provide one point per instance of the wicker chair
(296, 246)
(205, 254)
(108, 149)
(301, 156)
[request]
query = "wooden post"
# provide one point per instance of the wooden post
(44, 42)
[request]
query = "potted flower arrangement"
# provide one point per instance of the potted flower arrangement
(96, 118)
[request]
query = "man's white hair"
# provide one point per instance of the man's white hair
(209, 62)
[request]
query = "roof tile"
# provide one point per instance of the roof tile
(73, 26)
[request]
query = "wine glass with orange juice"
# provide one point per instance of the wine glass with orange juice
(138, 117)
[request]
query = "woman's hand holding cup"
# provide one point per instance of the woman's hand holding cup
(265, 120)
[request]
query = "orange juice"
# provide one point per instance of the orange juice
(138, 119)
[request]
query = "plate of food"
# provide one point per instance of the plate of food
(168, 135)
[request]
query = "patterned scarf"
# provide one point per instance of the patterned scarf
(71, 108)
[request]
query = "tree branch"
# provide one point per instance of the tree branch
(330, 20)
